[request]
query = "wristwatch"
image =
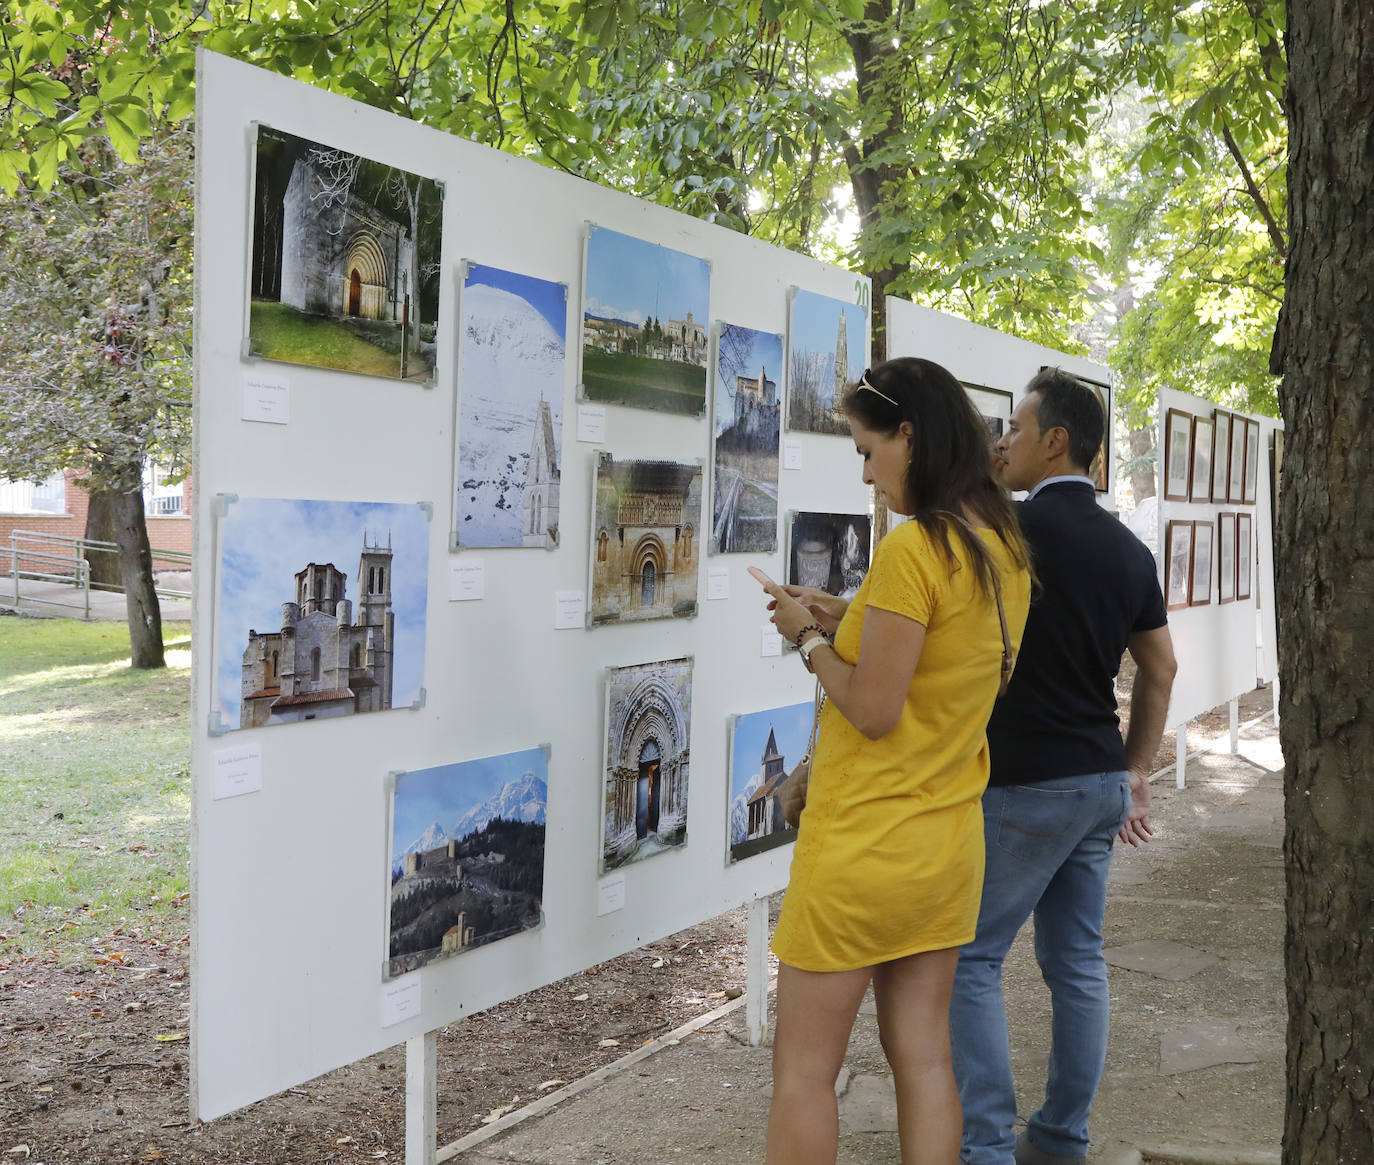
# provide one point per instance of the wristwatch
(808, 647)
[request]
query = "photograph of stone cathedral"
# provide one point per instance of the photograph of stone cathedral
(745, 436)
(321, 610)
(764, 748)
(648, 760)
(644, 324)
(828, 350)
(345, 262)
(646, 540)
(467, 856)
(511, 371)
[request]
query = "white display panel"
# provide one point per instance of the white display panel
(290, 879)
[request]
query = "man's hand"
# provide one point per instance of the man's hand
(1137, 830)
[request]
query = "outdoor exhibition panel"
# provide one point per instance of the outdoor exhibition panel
(433, 487)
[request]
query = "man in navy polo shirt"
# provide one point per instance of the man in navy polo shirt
(1063, 783)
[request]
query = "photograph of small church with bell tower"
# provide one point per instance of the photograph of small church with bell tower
(764, 748)
(828, 344)
(302, 633)
(346, 260)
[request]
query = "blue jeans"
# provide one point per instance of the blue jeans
(1049, 847)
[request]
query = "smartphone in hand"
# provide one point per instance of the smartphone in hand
(763, 579)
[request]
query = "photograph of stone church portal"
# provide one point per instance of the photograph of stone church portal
(648, 755)
(646, 540)
(345, 264)
(467, 856)
(744, 509)
(644, 313)
(321, 610)
(764, 748)
(828, 350)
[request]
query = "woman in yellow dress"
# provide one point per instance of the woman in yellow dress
(888, 868)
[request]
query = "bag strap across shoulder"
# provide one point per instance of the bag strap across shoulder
(1008, 655)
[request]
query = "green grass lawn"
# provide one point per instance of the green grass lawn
(667, 385)
(94, 787)
(281, 332)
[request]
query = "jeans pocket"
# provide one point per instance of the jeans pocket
(1033, 822)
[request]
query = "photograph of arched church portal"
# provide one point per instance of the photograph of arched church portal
(827, 343)
(764, 748)
(467, 856)
(345, 264)
(301, 633)
(646, 540)
(744, 507)
(644, 313)
(648, 758)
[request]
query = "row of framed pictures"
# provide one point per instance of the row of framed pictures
(1212, 459)
(1192, 547)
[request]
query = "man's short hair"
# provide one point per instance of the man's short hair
(1066, 402)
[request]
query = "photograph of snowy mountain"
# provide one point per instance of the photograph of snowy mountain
(828, 341)
(511, 361)
(467, 856)
(644, 331)
(764, 748)
(745, 441)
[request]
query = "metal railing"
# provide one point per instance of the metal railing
(40, 566)
(61, 558)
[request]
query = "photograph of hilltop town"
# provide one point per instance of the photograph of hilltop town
(828, 351)
(467, 856)
(644, 329)
(744, 514)
(764, 748)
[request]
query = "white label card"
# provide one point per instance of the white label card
(791, 453)
(772, 642)
(237, 771)
(467, 579)
(610, 895)
(718, 582)
(401, 1000)
(569, 610)
(266, 398)
(591, 423)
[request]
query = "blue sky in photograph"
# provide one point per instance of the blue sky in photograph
(765, 351)
(550, 300)
(816, 320)
(629, 279)
(265, 542)
(445, 792)
(792, 725)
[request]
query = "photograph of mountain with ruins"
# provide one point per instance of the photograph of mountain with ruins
(467, 856)
(345, 263)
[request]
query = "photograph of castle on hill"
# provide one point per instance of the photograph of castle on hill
(829, 551)
(764, 748)
(346, 260)
(467, 856)
(510, 424)
(744, 515)
(828, 351)
(644, 313)
(321, 610)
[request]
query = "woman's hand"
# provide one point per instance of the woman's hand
(823, 607)
(789, 615)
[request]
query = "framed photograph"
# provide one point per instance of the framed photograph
(1200, 588)
(1178, 450)
(1200, 485)
(644, 325)
(346, 264)
(994, 405)
(1221, 454)
(745, 441)
(764, 748)
(1178, 592)
(1244, 552)
(829, 551)
(1100, 469)
(1226, 558)
(827, 342)
(1235, 483)
(1252, 438)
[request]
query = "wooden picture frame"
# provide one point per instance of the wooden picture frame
(1200, 570)
(1235, 478)
(1245, 554)
(1221, 453)
(1200, 480)
(1100, 468)
(1178, 576)
(1178, 454)
(1251, 489)
(994, 405)
(1226, 557)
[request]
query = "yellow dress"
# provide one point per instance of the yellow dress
(889, 857)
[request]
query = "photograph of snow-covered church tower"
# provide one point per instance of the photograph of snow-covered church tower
(764, 748)
(512, 356)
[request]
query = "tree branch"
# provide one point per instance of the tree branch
(1256, 196)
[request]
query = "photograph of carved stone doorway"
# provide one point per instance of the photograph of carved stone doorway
(764, 748)
(301, 632)
(648, 760)
(829, 551)
(827, 342)
(646, 540)
(467, 856)
(511, 364)
(345, 262)
(745, 437)
(644, 324)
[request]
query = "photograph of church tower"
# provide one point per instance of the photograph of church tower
(828, 350)
(745, 441)
(302, 634)
(764, 748)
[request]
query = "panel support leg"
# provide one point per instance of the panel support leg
(756, 981)
(1276, 701)
(1234, 709)
(421, 1099)
(1181, 757)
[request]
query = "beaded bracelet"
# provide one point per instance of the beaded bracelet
(810, 627)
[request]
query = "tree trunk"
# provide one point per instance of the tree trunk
(136, 574)
(1142, 442)
(100, 528)
(1324, 349)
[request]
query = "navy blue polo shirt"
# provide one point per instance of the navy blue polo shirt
(1097, 585)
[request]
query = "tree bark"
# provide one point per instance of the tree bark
(1142, 442)
(136, 574)
(1324, 349)
(100, 528)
